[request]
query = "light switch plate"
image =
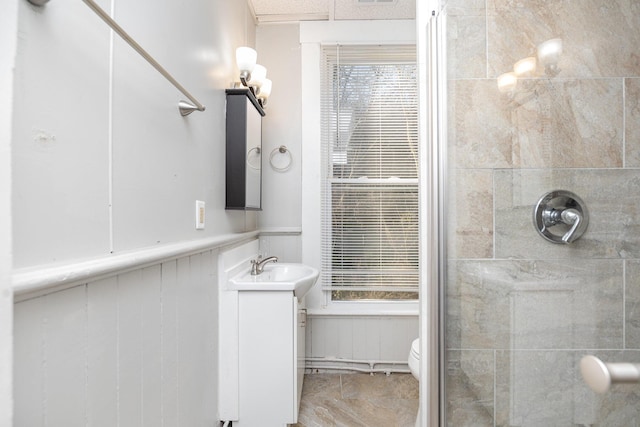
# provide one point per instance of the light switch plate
(199, 215)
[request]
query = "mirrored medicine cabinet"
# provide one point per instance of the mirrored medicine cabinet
(243, 150)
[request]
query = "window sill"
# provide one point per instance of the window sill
(346, 309)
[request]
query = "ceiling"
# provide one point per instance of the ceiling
(328, 10)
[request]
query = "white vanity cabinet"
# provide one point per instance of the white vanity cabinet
(271, 358)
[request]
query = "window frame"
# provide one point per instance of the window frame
(314, 35)
(389, 306)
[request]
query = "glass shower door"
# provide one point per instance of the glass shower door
(541, 96)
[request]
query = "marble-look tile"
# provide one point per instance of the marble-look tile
(468, 6)
(565, 124)
(380, 386)
(471, 208)
(480, 131)
(632, 304)
(466, 46)
(327, 386)
(549, 304)
(535, 388)
(358, 400)
(600, 37)
(632, 122)
(611, 196)
(469, 385)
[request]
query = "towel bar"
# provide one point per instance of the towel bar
(185, 107)
(599, 375)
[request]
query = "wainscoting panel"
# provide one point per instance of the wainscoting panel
(377, 338)
(135, 349)
(286, 246)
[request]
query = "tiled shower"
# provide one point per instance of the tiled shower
(521, 311)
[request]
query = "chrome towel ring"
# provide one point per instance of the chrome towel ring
(255, 163)
(280, 159)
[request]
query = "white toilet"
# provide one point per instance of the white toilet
(414, 366)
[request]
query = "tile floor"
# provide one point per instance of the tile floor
(358, 400)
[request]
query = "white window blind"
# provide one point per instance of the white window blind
(370, 172)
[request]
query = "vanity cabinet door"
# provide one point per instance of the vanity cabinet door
(268, 378)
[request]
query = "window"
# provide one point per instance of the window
(370, 173)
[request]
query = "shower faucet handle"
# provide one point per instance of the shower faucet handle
(572, 217)
(560, 217)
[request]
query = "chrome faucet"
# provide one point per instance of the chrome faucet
(257, 265)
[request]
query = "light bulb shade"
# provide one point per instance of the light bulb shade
(525, 67)
(258, 75)
(549, 52)
(265, 89)
(507, 82)
(246, 58)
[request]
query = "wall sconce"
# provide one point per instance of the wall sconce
(264, 91)
(253, 76)
(246, 61)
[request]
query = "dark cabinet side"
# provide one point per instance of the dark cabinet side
(243, 150)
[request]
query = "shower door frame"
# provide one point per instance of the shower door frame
(432, 86)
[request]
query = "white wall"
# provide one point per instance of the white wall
(278, 47)
(8, 40)
(103, 165)
(102, 159)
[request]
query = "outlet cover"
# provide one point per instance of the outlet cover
(199, 215)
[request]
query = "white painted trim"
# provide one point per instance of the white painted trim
(47, 278)
(279, 231)
(352, 311)
(8, 46)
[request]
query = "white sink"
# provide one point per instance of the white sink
(298, 278)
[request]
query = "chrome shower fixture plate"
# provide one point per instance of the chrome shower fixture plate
(560, 216)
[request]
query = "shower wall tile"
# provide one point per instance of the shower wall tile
(600, 37)
(480, 130)
(632, 304)
(632, 122)
(469, 383)
(466, 46)
(536, 306)
(464, 8)
(535, 388)
(550, 304)
(565, 124)
(611, 196)
(472, 223)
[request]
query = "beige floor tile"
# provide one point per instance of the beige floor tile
(358, 400)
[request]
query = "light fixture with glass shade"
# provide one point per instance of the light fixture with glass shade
(264, 91)
(246, 60)
(253, 76)
(258, 76)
